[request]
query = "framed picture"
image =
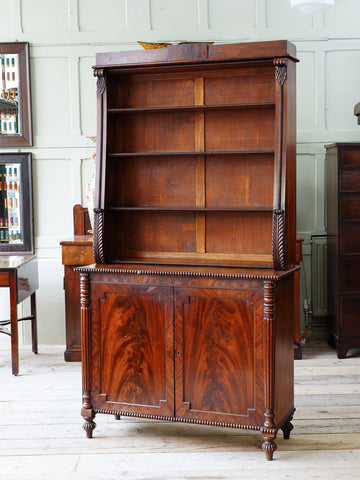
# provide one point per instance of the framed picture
(16, 204)
(15, 99)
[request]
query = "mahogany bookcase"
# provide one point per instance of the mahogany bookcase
(188, 314)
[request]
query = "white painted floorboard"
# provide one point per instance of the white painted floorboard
(41, 436)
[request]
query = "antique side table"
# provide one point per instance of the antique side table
(20, 274)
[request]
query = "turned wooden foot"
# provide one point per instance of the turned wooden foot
(117, 417)
(287, 429)
(269, 446)
(89, 426)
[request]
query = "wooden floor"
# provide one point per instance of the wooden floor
(41, 435)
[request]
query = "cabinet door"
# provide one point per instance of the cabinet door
(219, 356)
(132, 349)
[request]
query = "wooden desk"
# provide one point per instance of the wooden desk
(20, 275)
(76, 251)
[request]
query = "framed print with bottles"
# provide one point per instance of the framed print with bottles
(16, 205)
(15, 99)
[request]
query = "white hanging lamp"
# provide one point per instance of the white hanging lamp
(311, 6)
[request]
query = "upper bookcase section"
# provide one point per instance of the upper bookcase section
(196, 155)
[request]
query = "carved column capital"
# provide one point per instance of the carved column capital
(280, 70)
(101, 80)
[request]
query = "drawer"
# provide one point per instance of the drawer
(350, 319)
(350, 181)
(350, 238)
(350, 206)
(77, 254)
(4, 278)
(349, 275)
(350, 158)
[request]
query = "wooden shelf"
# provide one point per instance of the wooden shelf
(192, 153)
(190, 108)
(188, 209)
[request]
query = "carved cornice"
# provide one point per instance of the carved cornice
(280, 70)
(101, 80)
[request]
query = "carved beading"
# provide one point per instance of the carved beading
(176, 273)
(177, 419)
(99, 235)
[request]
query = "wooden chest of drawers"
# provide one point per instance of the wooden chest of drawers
(343, 223)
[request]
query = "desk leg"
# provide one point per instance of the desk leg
(34, 324)
(14, 326)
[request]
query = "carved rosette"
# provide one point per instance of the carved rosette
(268, 430)
(87, 411)
(279, 240)
(99, 235)
(101, 80)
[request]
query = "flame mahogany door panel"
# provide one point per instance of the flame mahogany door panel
(217, 367)
(132, 345)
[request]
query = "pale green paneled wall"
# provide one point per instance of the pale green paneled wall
(64, 37)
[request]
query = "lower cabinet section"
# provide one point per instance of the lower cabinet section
(213, 347)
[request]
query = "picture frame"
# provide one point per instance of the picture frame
(16, 204)
(15, 95)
